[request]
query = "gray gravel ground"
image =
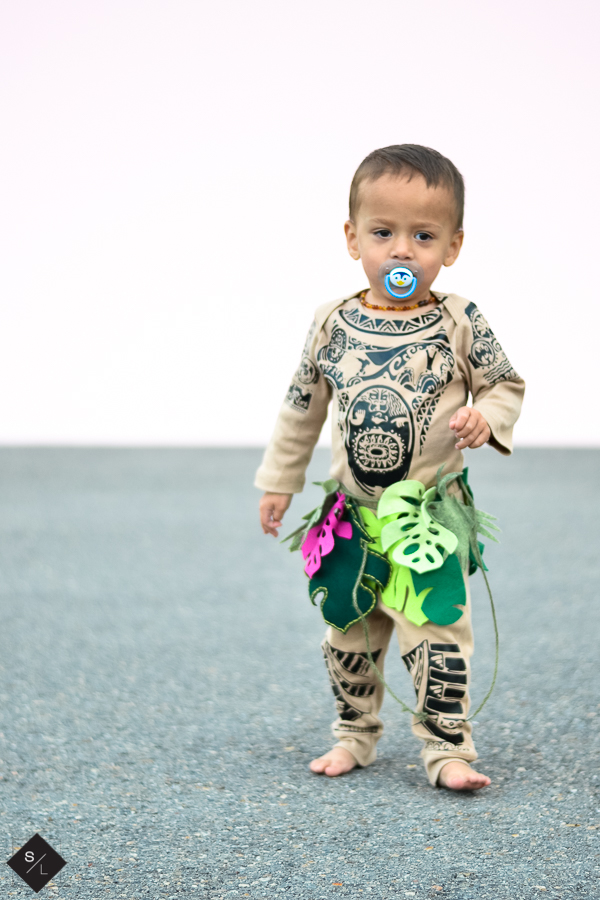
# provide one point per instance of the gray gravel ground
(163, 691)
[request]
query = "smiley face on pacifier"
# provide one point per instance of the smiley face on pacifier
(400, 279)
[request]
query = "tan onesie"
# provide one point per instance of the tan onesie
(395, 381)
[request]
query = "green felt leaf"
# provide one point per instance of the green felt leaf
(400, 594)
(413, 537)
(428, 496)
(330, 486)
(397, 589)
(394, 499)
(357, 518)
(420, 541)
(442, 592)
(377, 570)
(296, 538)
(473, 563)
(465, 481)
(399, 528)
(414, 608)
(334, 582)
(370, 521)
(462, 519)
(373, 526)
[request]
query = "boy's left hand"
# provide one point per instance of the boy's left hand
(469, 425)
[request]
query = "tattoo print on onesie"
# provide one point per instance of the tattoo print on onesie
(486, 353)
(387, 377)
(386, 394)
(439, 674)
(347, 674)
(299, 393)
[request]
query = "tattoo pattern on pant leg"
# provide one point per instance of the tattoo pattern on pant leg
(348, 674)
(439, 675)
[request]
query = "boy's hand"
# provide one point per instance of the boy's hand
(469, 425)
(272, 507)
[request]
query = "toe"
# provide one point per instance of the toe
(461, 777)
(338, 762)
(475, 781)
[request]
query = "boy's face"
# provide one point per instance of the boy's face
(403, 219)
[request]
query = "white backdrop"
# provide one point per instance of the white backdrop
(174, 185)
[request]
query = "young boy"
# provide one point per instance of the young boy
(399, 371)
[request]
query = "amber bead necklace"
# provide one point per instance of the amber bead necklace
(363, 294)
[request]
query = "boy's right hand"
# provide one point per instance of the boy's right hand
(272, 507)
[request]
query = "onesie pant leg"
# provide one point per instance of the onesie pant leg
(357, 690)
(438, 659)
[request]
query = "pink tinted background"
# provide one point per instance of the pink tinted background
(174, 184)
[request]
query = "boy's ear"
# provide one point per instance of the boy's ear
(351, 239)
(454, 248)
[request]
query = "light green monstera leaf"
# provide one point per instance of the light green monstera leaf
(401, 592)
(393, 498)
(421, 543)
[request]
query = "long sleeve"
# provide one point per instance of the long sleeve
(496, 388)
(298, 426)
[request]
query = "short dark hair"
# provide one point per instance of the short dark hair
(408, 159)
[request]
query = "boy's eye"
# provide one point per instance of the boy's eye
(422, 236)
(383, 232)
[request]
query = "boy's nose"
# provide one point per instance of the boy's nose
(402, 250)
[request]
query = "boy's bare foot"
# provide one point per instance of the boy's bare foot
(458, 776)
(337, 762)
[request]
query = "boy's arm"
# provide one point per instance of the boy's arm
(496, 388)
(297, 428)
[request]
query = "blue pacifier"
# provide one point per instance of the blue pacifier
(400, 279)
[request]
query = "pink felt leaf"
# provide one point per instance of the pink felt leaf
(320, 541)
(344, 530)
(310, 541)
(325, 537)
(313, 565)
